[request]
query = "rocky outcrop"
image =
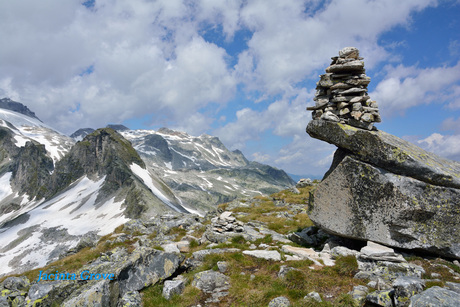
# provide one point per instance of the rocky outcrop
(31, 169)
(7, 103)
(385, 189)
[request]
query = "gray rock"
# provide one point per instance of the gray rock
(130, 299)
(374, 251)
(346, 67)
(199, 255)
(16, 283)
(4, 301)
(436, 297)
(264, 254)
(342, 251)
(279, 301)
(38, 291)
(284, 269)
(381, 298)
(172, 287)
(329, 116)
(211, 281)
(453, 286)
(170, 248)
(94, 294)
(314, 296)
(349, 52)
(222, 266)
(146, 267)
(358, 200)
(386, 272)
(405, 287)
(359, 294)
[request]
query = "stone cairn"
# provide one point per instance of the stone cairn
(341, 93)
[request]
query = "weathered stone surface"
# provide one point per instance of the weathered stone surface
(172, 287)
(374, 251)
(405, 287)
(453, 286)
(16, 283)
(131, 299)
(210, 281)
(436, 296)
(199, 255)
(38, 291)
(342, 251)
(279, 301)
(314, 296)
(381, 298)
(359, 294)
(384, 273)
(264, 254)
(358, 200)
(389, 152)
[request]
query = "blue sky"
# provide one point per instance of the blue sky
(241, 70)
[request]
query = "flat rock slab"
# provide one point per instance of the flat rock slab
(264, 254)
(378, 252)
(389, 152)
(201, 254)
(436, 296)
(309, 253)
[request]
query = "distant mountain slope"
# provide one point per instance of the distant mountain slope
(8, 104)
(81, 133)
(201, 170)
(55, 190)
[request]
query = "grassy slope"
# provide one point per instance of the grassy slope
(254, 282)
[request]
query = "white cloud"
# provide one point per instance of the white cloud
(146, 57)
(406, 87)
(289, 44)
(451, 124)
(149, 57)
(261, 157)
(447, 146)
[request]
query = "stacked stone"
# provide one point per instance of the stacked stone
(226, 223)
(341, 93)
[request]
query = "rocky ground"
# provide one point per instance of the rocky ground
(255, 252)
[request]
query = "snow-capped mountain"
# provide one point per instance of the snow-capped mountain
(55, 189)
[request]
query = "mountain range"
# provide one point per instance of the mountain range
(56, 189)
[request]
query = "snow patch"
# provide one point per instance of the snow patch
(5, 186)
(144, 175)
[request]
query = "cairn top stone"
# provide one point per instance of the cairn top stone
(349, 52)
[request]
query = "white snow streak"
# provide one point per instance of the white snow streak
(145, 176)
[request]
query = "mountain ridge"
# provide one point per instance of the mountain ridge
(53, 183)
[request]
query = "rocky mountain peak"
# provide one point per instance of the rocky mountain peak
(81, 133)
(7, 103)
(117, 127)
(103, 152)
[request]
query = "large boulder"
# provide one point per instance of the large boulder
(384, 189)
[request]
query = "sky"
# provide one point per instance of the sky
(241, 70)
